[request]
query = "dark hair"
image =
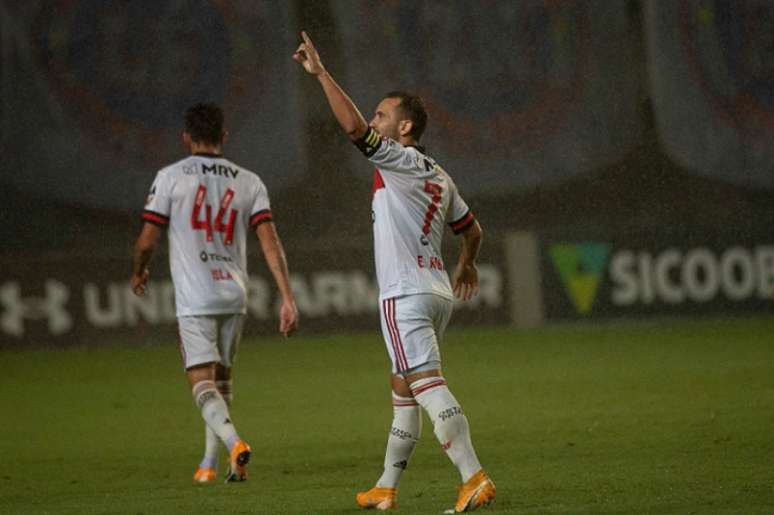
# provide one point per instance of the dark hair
(204, 122)
(413, 108)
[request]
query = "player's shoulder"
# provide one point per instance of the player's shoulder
(426, 162)
(245, 174)
(185, 166)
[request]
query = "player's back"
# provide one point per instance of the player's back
(209, 203)
(413, 197)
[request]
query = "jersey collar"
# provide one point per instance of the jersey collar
(421, 148)
(207, 154)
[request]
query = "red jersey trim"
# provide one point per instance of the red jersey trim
(463, 223)
(155, 218)
(378, 182)
(260, 217)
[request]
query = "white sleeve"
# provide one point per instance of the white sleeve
(261, 210)
(387, 154)
(159, 202)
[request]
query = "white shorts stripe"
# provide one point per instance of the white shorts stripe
(401, 350)
(401, 362)
(386, 308)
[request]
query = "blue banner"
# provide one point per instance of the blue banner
(712, 81)
(518, 93)
(94, 92)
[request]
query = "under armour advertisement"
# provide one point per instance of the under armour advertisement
(56, 302)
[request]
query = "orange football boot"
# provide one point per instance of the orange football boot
(476, 492)
(379, 498)
(204, 475)
(240, 457)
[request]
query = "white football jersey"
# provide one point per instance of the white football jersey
(413, 197)
(208, 203)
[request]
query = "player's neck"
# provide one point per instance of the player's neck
(408, 141)
(205, 148)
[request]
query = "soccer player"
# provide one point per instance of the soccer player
(208, 204)
(412, 197)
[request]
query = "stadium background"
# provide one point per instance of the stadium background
(618, 155)
(599, 128)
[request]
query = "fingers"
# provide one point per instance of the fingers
(300, 54)
(138, 283)
(138, 288)
(306, 39)
(464, 290)
(288, 327)
(288, 320)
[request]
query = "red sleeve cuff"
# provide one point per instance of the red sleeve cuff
(463, 224)
(155, 218)
(260, 217)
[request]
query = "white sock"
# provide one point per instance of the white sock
(449, 423)
(211, 440)
(215, 412)
(403, 437)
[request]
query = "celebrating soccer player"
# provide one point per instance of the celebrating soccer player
(208, 203)
(412, 198)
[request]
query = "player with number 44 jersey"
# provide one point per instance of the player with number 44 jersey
(208, 204)
(413, 198)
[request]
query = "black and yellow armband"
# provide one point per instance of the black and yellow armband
(369, 143)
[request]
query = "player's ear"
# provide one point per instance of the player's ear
(404, 127)
(224, 137)
(186, 139)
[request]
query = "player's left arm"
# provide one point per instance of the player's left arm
(274, 253)
(465, 281)
(343, 107)
(144, 249)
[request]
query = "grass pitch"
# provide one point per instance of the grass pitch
(672, 417)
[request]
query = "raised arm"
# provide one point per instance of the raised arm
(144, 249)
(343, 107)
(275, 259)
(465, 282)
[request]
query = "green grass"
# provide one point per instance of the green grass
(674, 417)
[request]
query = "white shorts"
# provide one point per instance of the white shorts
(412, 326)
(210, 338)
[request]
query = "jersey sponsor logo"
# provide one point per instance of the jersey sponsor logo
(213, 256)
(580, 268)
(220, 170)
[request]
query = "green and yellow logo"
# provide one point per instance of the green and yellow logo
(580, 266)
